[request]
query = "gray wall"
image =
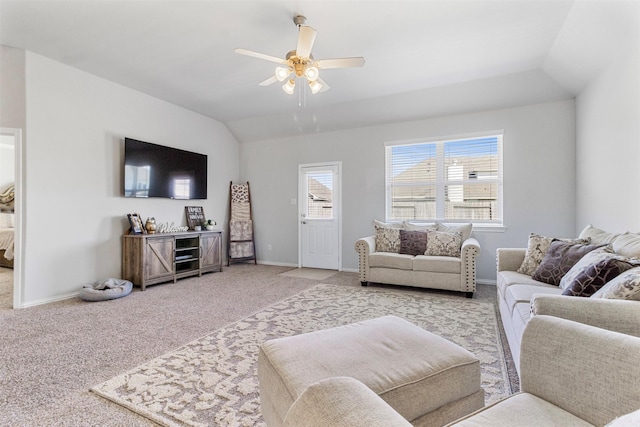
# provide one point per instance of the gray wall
(539, 178)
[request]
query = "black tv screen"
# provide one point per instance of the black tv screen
(152, 170)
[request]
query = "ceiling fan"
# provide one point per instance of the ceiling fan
(299, 63)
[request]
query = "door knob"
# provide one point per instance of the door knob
(303, 222)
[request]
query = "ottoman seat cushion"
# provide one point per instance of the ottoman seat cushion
(413, 370)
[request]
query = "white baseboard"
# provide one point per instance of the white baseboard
(42, 301)
(486, 282)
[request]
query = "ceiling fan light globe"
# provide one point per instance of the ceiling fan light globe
(282, 73)
(289, 87)
(311, 73)
(315, 87)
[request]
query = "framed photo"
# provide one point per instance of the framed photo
(195, 216)
(136, 224)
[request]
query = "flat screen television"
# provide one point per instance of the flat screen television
(152, 170)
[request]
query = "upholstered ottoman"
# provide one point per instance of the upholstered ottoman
(427, 379)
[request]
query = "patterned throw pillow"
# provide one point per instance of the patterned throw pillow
(387, 237)
(443, 244)
(537, 247)
(595, 276)
(625, 286)
(413, 242)
(559, 259)
(585, 262)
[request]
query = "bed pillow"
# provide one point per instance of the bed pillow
(443, 244)
(624, 286)
(537, 247)
(591, 279)
(559, 259)
(413, 242)
(387, 237)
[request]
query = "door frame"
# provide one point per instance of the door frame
(337, 194)
(18, 248)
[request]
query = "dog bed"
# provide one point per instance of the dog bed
(106, 289)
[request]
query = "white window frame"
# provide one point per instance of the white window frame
(441, 184)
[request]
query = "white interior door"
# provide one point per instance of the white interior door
(320, 212)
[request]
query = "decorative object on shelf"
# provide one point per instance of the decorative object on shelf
(172, 228)
(151, 225)
(300, 64)
(195, 216)
(136, 224)
(241, 246)
(209, 224)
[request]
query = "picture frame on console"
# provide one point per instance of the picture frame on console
(136, 224)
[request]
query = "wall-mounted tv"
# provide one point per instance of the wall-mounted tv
(152, 170)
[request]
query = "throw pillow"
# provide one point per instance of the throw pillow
(590, 280)
(387, 237)
(464, 229)
(584, 263)
(537, 247)
(418, 227)
(413, 242)
(559, 259)
(443, 244)
(625, 286)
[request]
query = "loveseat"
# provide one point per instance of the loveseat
(572, 375)
(610, 302)
(436, 256)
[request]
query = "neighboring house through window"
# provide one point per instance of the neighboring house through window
(456, 179)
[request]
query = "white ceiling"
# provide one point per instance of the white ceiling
(423, 58)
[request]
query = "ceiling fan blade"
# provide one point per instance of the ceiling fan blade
(269, 81)
(260, 56)
(306, 37)
(325, 86)
(325, 64)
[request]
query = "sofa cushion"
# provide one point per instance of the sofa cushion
(413, 242)
(597, 236)
(464, 229)
(624, 286)
(437, 264)
(627, 244)
(443, 244)
(419, 227)
(391, 260)
(590, 280)
(387, 237)
(559, 259)
(537, 247)
(521, 409)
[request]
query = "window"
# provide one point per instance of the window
(453, 180)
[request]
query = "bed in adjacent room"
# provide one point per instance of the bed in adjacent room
(6, 227)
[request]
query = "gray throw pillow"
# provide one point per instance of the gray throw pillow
(559, 259)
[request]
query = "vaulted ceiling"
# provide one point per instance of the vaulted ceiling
(423, 58)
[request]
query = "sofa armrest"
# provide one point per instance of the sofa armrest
(468, 254)
(341, 402)
(364, 247)
(509, 259)
(590, 372)
(615, 315)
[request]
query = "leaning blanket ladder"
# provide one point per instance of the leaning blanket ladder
(241, 245)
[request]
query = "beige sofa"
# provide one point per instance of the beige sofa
(519, 295)
(569, 376)
(424, 271)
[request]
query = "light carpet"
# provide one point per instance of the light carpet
(212, 381)
(309, 273)
(6, 288)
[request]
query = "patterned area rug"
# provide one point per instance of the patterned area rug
(212, 381)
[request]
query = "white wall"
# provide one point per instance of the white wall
(539, 178)
(75, 213)
(608, 147)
